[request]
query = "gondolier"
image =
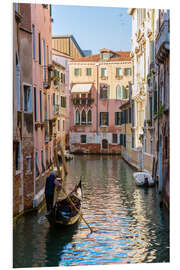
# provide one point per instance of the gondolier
(49, 190)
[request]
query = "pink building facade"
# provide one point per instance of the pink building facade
(42, 93)
(99, 86)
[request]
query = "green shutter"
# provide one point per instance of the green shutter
(123, 92)
(108, 91)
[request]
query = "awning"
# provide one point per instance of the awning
(81, 88)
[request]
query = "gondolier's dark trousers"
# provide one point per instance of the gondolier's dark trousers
(49, 201)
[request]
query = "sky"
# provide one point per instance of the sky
(94, 28)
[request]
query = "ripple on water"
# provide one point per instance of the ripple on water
(128, 225)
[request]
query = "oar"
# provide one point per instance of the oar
(81, 215)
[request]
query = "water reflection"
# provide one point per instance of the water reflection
(129, 226)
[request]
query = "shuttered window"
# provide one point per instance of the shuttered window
(33, 39)
(104, 92)
(118, 92)
(104, 118)
(119, 72)
(117, 118)
(40, 105)
(39, 39)
(35, 104)
(121, 139)
(88, 71)
(103, 72)
(77, 71)
(123, 92)
(114, 138)
(27, 99)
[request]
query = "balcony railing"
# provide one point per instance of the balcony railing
(162, 39)
(82, 101)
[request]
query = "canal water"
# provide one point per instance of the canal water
(129, 226)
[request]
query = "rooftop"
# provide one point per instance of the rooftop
(116, 56)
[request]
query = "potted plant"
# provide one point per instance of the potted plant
(149, 123)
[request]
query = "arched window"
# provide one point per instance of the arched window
(123, 94)
(118, 92)
(77, 117)
(104, 144)
(89, 117)
(83, 117)
(104, 91)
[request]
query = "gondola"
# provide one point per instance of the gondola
(64, 213)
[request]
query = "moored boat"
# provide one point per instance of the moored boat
(143, 179)
(64, 212)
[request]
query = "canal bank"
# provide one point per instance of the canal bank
(129, 225)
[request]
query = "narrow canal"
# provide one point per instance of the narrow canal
(129, 225)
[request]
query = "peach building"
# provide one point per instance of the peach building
(99, 85)
(42, 95)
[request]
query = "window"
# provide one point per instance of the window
(39, 37)
(89, 117)
(88, 71)
(37, 165)
(63, 102)
(47, 56)
(44, 59)
(114, 138)
(77, 117)
(35, 105)
(58, 125)
(47, 163)
(104, 91)
(119, 72)
(83, 117)
(105, 55)
(77, 71)
(28, 164)
(33, 39)
(42, 161)
(63, 125)
(127, 71)
(103, 72)
(18, 156)
(104, 144)
(83, 138)
(62, 77)
(27, 99)
(122, 117)
(117, 118)
(104, 118)
(118, 92)
(40, 107)
(123, 93)
(121, 139)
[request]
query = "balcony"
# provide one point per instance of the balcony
(162, 42)
(82, 101)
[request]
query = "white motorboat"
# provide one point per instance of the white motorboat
(143, 179)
